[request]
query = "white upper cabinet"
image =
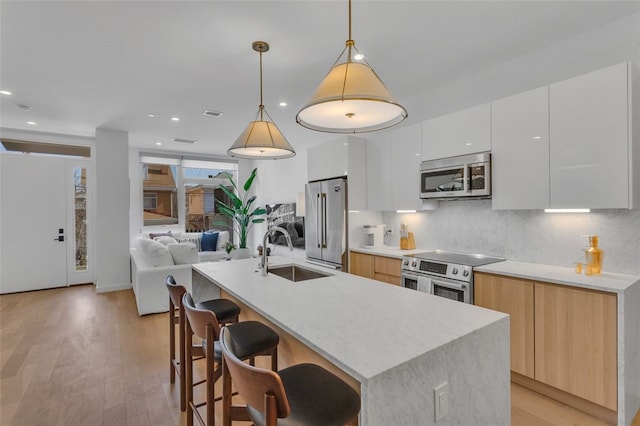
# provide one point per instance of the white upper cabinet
(405, 167)
(463, 132)
(520, 150)
(344, 156)
(589, 140)
(379, 171)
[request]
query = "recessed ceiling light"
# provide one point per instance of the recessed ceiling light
(468, 144)
(283, 104)
(158, 143)
(5, 92)
(151, 115)
(32, 123)
(537, 137)
(175, 119)
(358, 56)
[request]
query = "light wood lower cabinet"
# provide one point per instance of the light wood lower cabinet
(380, 268)
(514, 297)
(562, 336)
(576, 345)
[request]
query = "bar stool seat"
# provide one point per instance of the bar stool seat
(250, 338)
(303, 394)
(226, 311)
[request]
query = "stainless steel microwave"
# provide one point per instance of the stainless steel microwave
(456, 177)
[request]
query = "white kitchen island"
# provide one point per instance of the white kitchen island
(397, 345)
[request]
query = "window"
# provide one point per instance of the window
(150, 201)
(184, 192)
(160, 194)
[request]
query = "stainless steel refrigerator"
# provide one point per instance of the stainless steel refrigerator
(326, 241)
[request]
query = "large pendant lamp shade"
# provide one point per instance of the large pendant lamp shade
(351, 98)
(261, 139)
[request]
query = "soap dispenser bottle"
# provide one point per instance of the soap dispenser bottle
(594, 256)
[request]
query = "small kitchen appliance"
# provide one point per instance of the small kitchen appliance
(373, 236)
(443, 273)
(456, 177)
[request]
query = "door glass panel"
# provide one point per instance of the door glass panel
(80, 217)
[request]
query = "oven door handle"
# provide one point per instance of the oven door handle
(449, 285)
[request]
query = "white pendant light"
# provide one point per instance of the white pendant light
(351, 98)
(261, 139)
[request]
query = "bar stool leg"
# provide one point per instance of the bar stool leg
(189, 373)
(172, 342)
(183, 343)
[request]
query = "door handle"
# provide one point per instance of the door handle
(59, 238)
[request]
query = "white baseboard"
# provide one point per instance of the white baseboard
(115, 287)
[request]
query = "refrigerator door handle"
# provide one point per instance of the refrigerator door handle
(319, 220)
(324, 220)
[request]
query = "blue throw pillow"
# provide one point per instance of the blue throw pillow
(209, 241)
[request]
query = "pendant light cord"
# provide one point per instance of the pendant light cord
(349, 19)
(261, 104)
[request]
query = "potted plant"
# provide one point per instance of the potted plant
(239, 210)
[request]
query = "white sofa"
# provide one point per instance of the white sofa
(150, 265)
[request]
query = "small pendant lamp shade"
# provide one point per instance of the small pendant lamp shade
(261, 138)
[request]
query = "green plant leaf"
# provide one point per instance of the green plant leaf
(230, 178)
(237, 202)
(257, 220)
(249, 181)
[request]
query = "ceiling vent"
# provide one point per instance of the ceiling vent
(183, 140)
(212, 113)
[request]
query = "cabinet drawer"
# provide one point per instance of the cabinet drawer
(388, 266)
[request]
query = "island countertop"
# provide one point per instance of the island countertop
(363, 326)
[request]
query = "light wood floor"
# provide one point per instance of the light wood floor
(73, 357)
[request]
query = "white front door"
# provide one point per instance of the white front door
(42, 244)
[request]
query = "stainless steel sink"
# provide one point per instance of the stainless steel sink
(296, 273)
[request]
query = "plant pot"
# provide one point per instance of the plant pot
(241, 253)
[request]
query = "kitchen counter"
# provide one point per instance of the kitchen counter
(388, 251)
(627, 290)
(397, 343)
(607, 281)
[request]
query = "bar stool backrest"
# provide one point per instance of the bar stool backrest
(253, 383)
(176, 291)
(200, 319)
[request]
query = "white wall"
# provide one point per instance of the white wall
(112, 212)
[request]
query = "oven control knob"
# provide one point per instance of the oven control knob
(405, 262)
(414, 264)
(466, 273)
(455, 271)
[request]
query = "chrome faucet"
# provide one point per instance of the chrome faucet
(263, 260)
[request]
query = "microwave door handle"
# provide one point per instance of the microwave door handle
(467, 179)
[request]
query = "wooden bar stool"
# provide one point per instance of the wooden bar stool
(303, 394)
(226, 311)
(252, 339)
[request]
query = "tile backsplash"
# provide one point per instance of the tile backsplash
(524, 235)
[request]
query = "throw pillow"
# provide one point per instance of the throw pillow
(209, 241)
(223, 237)
(166, 240)
(157, 254)
(160, 234)
(184, 253)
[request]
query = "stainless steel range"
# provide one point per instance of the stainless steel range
(443, 273)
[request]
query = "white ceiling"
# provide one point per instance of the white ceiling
(85, 64)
